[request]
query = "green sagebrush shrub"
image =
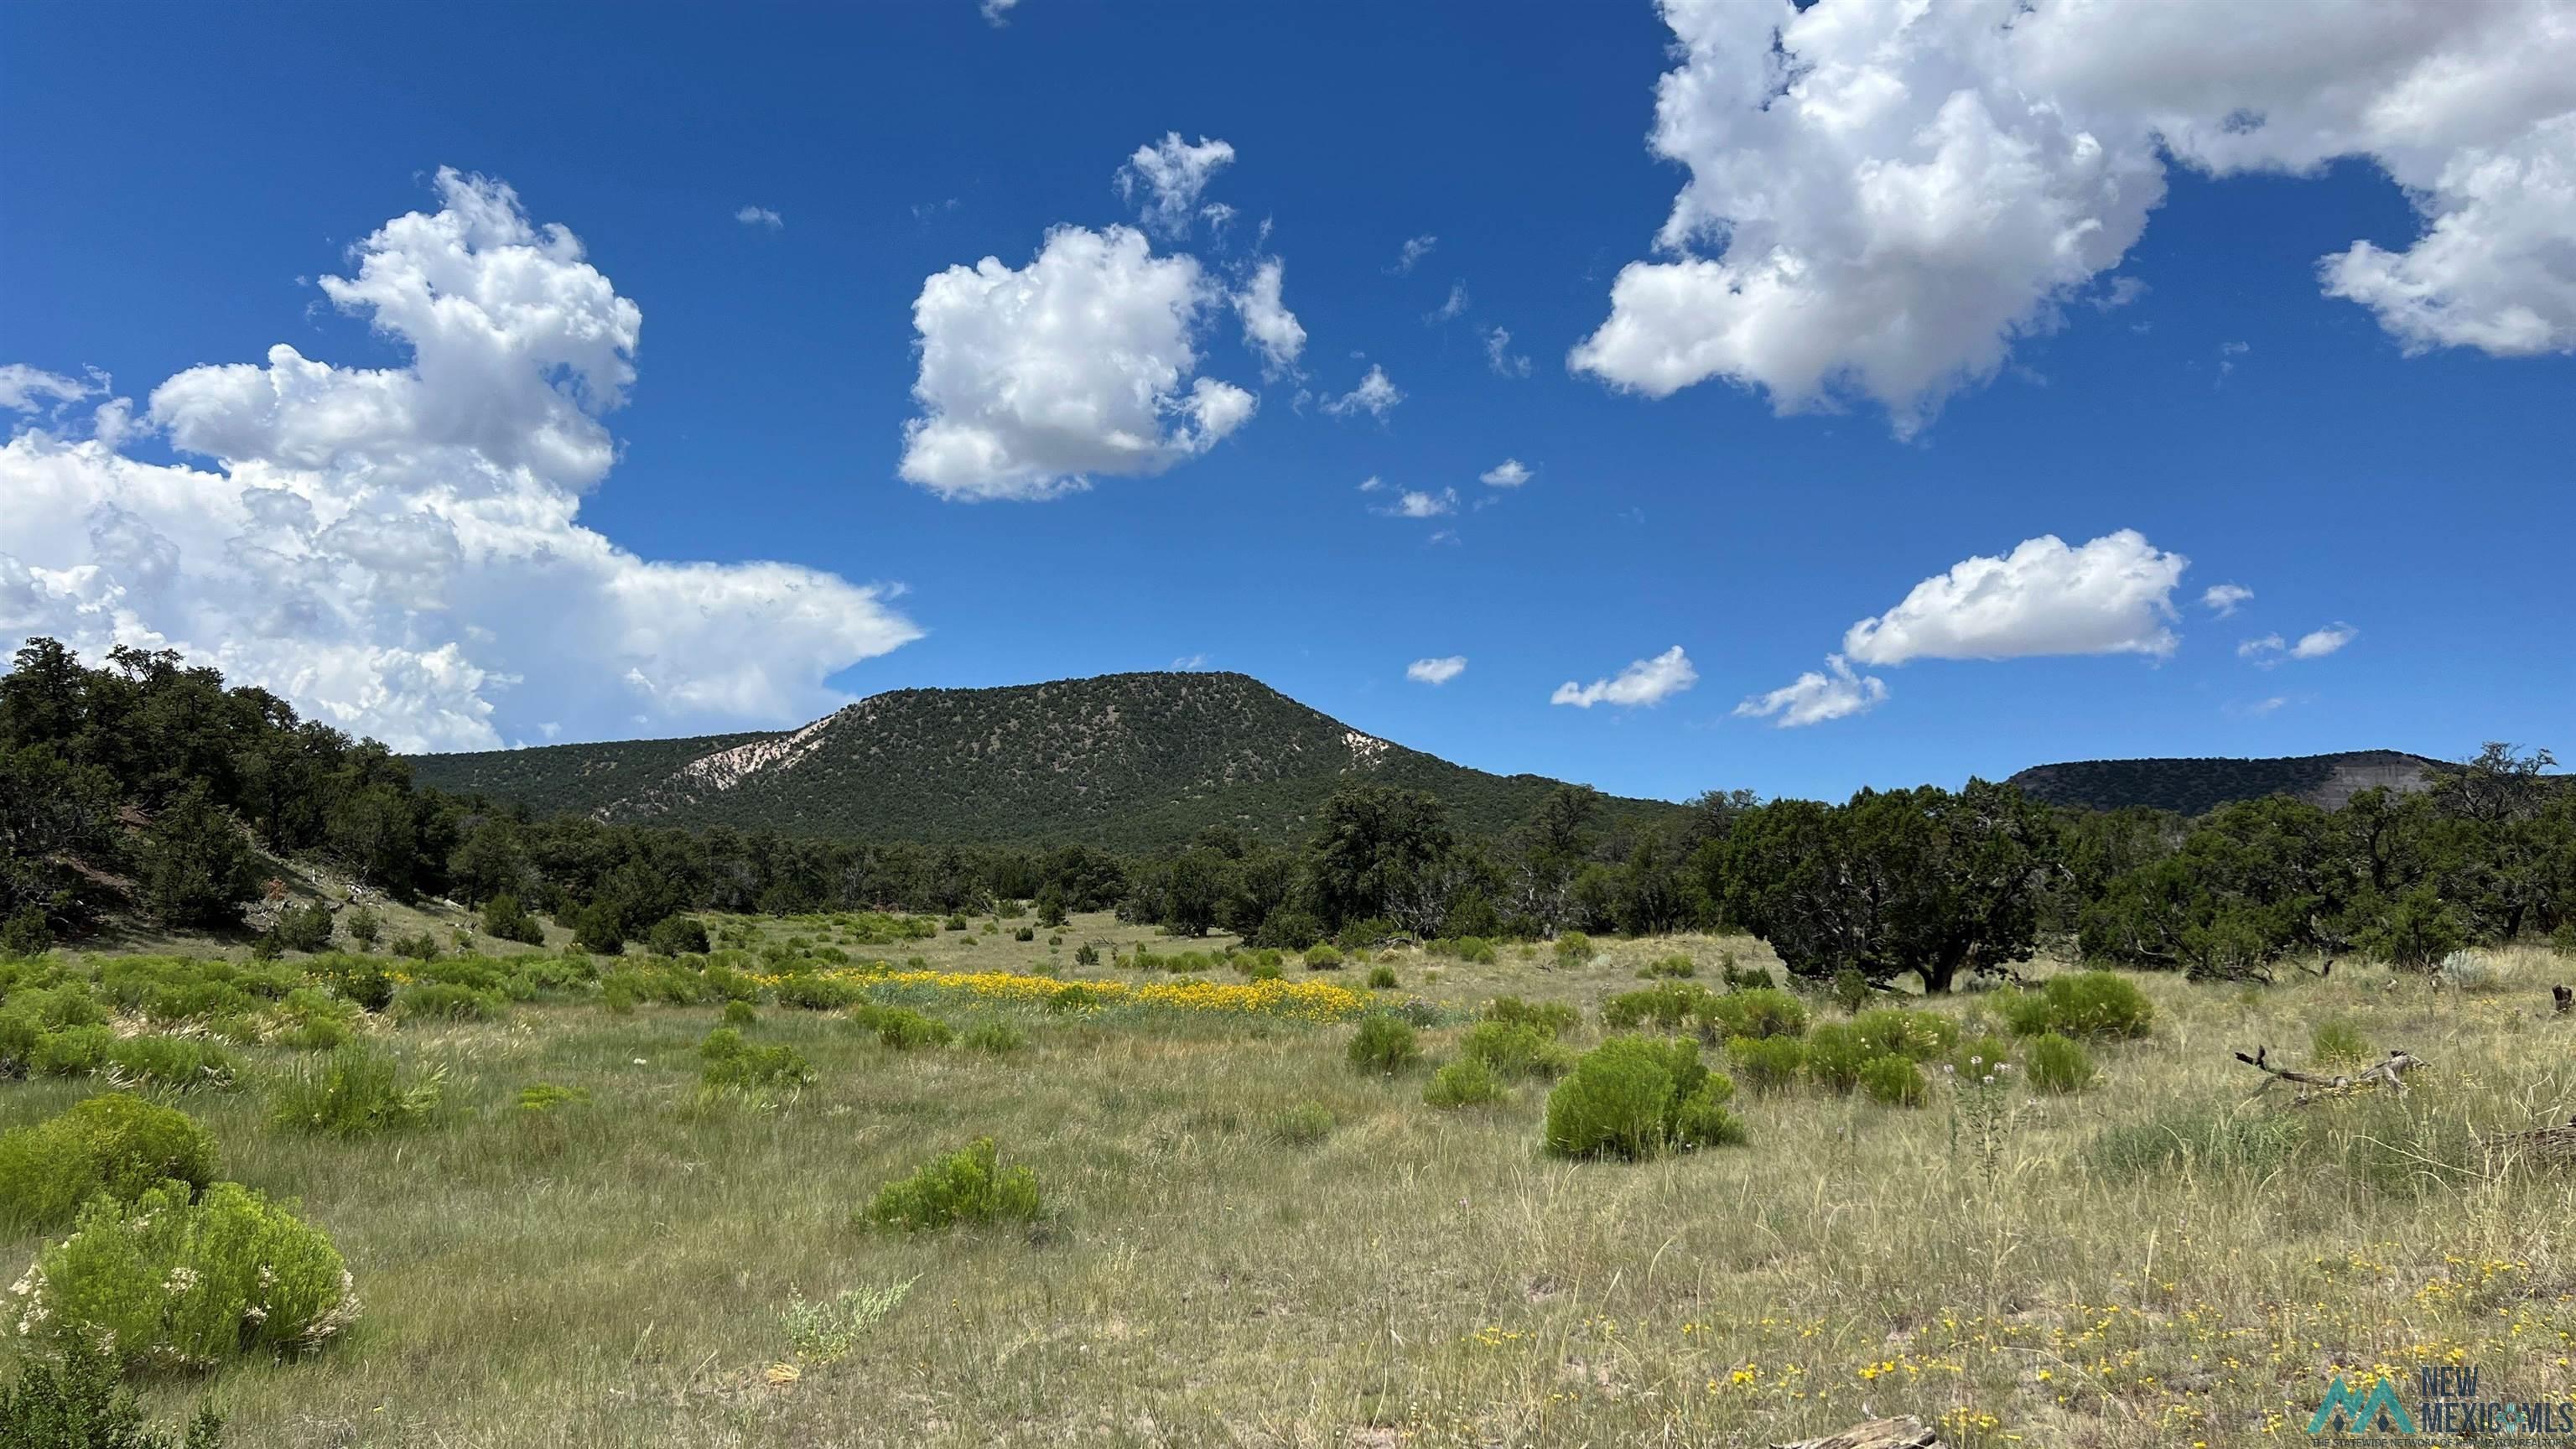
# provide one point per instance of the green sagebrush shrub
(172, 1283)
(447, 1001)
(1574, 949)
(1761, 1011)
(116, 1144)
(2081, 1004)
(2059, 1064)
(966, 1186)
(1476, 950)
(1465, 1082)
(1323, 956)
(901, 1027)
(1669, 968)
(1767, 1063)
(1636, 1097)
(310, 1019)
(1382, 978)
(1384, 1043)
(740, 1014)
(1894, 1081)
(1919, 1036)
(1553, 1017)
(1669, 1005)
(1835, 1055)
(733, 1062)
(353, 1091)
(81, 1402)
(1515, 1049)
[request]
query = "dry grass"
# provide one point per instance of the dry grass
(615, 1274)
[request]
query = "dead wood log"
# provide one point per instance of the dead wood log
(2542, 1142)
(1897, 1433)
(2391, 1069)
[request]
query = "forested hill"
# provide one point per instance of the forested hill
(1123, 761)
(2191, 787)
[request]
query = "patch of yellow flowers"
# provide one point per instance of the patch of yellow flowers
(1294, 1000)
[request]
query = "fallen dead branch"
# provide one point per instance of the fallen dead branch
(2391, 1069)
(1897, 1433)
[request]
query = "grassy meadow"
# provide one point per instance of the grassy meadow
(1245, 1241)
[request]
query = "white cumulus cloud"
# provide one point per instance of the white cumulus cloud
(1813, 698)
(2318, 643)
(1646, 681)
(1436, 671)
(1268, 326)
(2225, 599)
(1509, 473)
(1164, 179)
(1414, 503)
(1376, 396)
(1033, 379)
(760, 216)
(397, 550)
(1885, 195)
(2110, 596)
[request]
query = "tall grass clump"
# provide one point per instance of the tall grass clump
(352, 1091)
(1767, 1063)
(1556, 1018)
(966, 1186)
(1635, 1097)
(180, 1284)
(1918, 1036)
(2337, 1041)
(1515, 1049)
(115, 1144)
(1466, 1082)
(732, 1062)
(1894, 1081)
(2059, 1064)
(1574, 949)
(1760, 1011)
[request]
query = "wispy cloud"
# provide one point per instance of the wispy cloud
(760, 216)
(1436, 671)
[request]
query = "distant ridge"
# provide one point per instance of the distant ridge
(2192, 787)
(1124, 761)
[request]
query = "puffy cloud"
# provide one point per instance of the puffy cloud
(760, 216)
(2110, 596)
(1079, 363)
(1646, 681)
(1376, 395)
(1509, 473)
(1164, 178)
(1415, 249)
(2224, 599)
(1413, 503)
(2318, 643)
(1500, 357)
(1451, 310)
(1813, 698)
(1884, 195)
(398, 550)
(25, 389)
(1268, 326)
(1436, 671)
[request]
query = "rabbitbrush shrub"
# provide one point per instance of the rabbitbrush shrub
(1636, 1097)
(2081, 1004)
(115, 1144)
(1515, 1049)
(2059, 1064)
(1920, 1036)
(1835, 1055)
(1574, 949)
(1553, 1017)
(1895, 1081)
(178, 1284)
(1767, 1063)
(1384, 1044)
(1760, 1011)
(966, 1186)
(1465, 1082)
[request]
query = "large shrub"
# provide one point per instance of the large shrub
(1835, 1055)
(2081, 1004)
(1761, 1011)
(1920, 1036)
(505, 918)
(82, 1402)
(1668, 1005)
(1574, 949)
(1767, 1063)
(181, 1284)
(966, 1186)
(1323, 956)
(1553, 1017)
(677, 936)
(1384, 1044)
(1635, 1097)
(1895, 1081)
(116, 1144)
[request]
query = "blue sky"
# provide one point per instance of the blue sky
(2172, 363)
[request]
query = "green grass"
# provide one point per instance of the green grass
(1246, 1242)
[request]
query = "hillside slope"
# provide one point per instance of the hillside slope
(1126, 761)
(2190, 787)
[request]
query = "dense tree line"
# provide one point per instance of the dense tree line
(148, 783)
